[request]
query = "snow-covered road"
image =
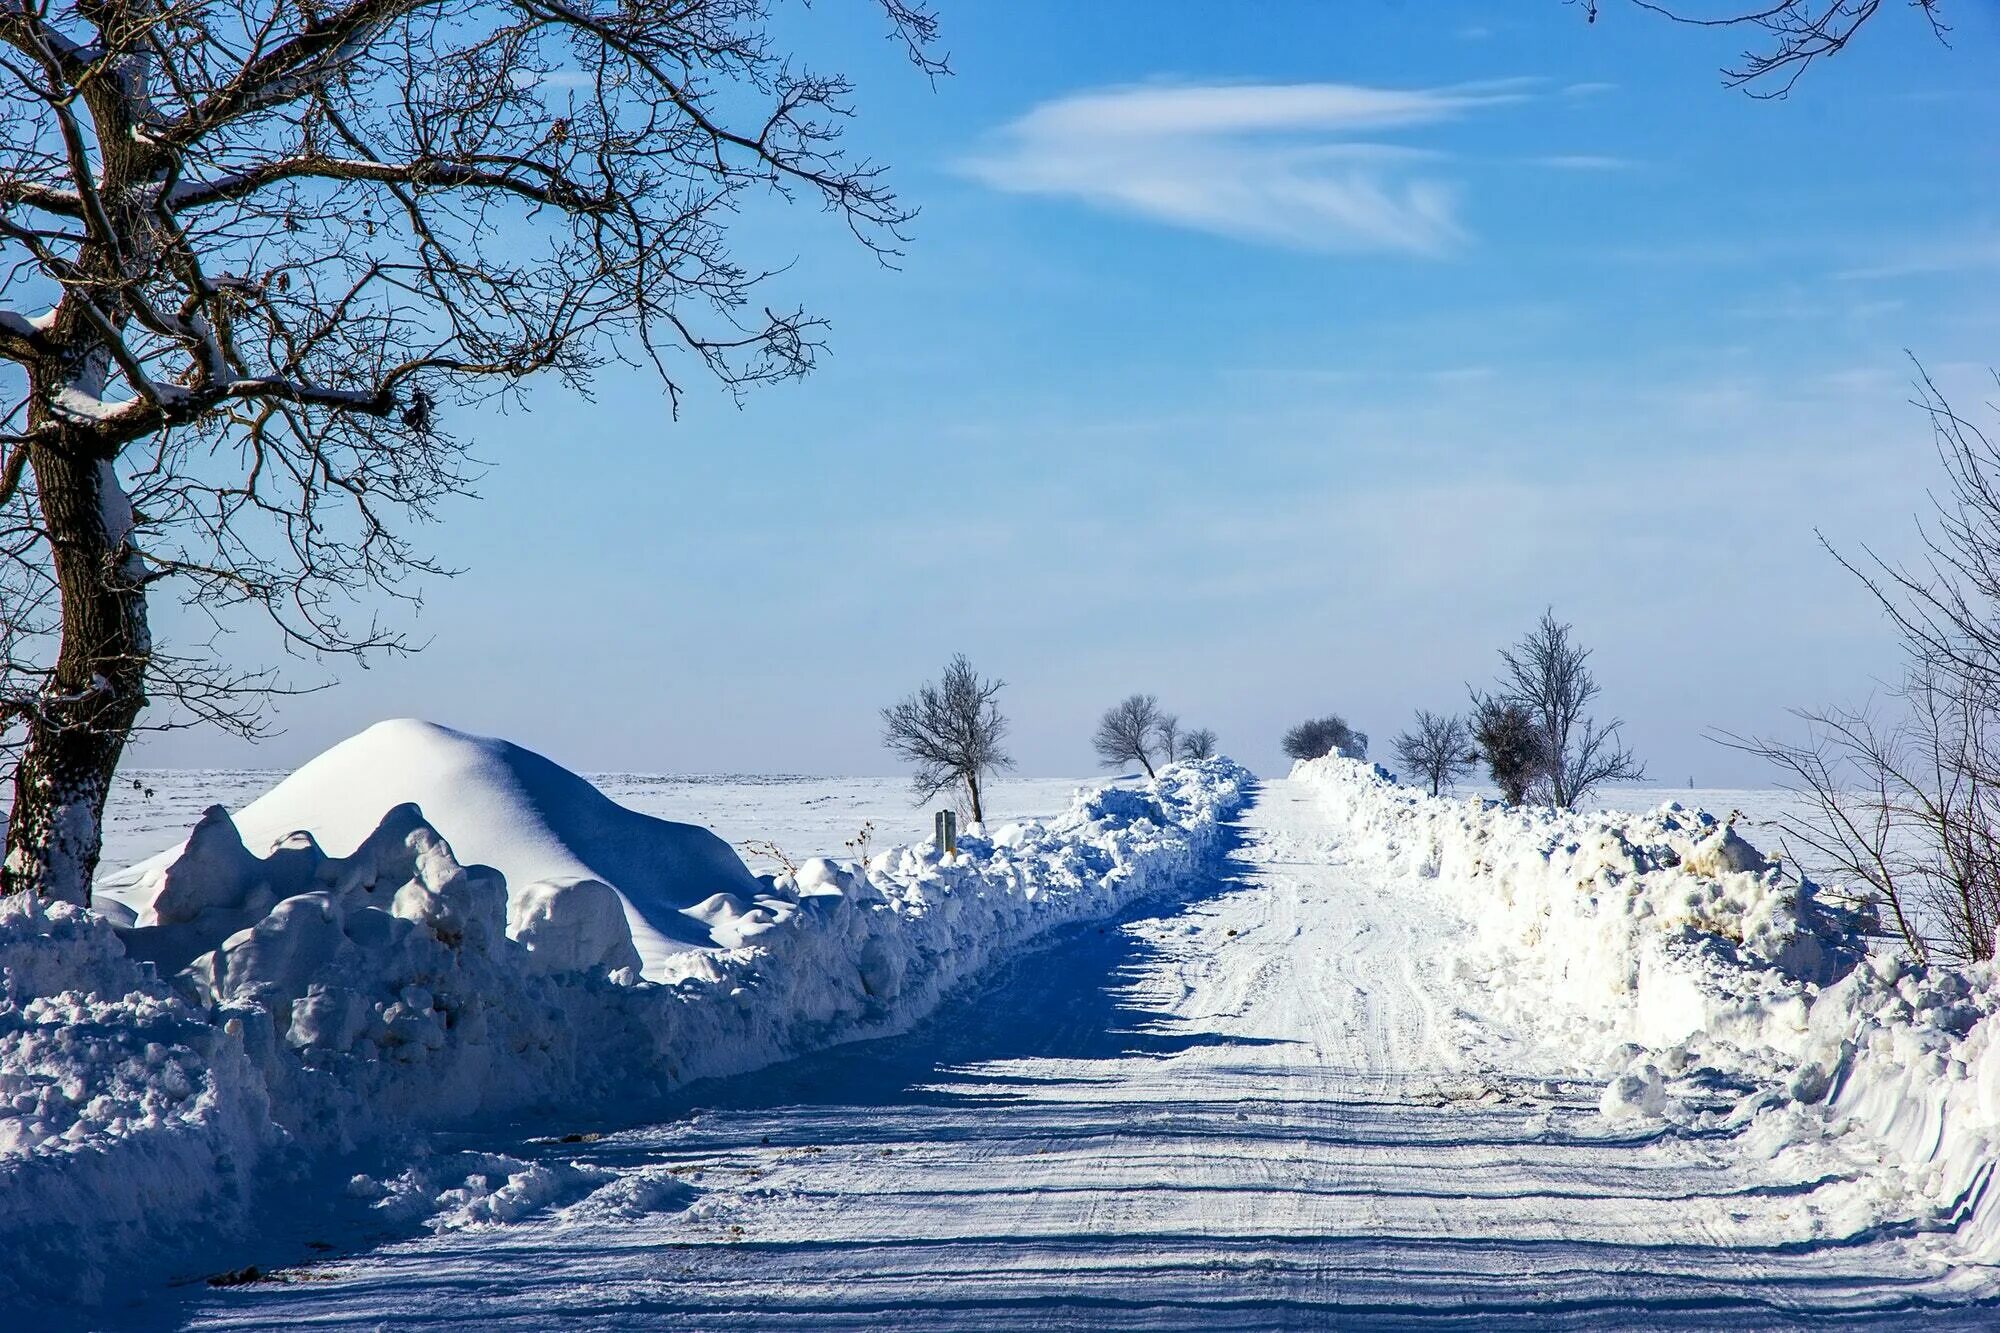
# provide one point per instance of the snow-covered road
(1249, 1109)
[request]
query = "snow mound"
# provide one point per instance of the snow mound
(558, 842)
(263, 1013)
(1710, 990)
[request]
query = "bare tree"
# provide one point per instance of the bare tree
(1198, 744)
(252, 251)
(952, 732)
(1317, 737)
(1168, 731)
(1439, 750)
(1548, 674)
(1512, 743)
(1904, 798)
(1126, 732)
(1794, 33)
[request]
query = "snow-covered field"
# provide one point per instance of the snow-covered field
(803, 816)
(1349, 1056)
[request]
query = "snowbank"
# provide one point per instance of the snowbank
(252, 1012)
(496, 805)
(1663, 952)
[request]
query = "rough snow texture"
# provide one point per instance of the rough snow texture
(1712, 988)
(292, 1004)
(497, 805)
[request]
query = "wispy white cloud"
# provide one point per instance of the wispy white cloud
(1277, 163)
(1589, 89)
(1583, 162)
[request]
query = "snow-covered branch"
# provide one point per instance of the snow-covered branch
(531, 180)
(22, 336)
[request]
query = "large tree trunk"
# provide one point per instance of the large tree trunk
(84, 716)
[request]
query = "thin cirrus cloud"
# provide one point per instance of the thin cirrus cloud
(1282, 164)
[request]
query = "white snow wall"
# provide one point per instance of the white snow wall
(138, 1112)
(1670, 932)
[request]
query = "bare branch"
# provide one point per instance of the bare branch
(1797, 32)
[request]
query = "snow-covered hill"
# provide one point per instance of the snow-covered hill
(496, 804)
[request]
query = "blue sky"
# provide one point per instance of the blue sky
(1274, 364)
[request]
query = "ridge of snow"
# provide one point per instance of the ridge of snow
(337, 1001)
(1663, 952)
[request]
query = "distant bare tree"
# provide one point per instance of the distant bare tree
(1126, 732)
(1168, 732)
(1511, 742)
(1904, 798)
(1439, 750)
(952, 732)
(1318, 737)
(1796, 33)
(1198, 744)
(1548, 673)
(252, 251)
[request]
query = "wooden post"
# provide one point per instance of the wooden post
(947, 832)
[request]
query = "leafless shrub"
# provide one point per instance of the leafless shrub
(858, 845)
(1318, 737)
(1439, 750)
(952, 732)
(763, 849)
(1127, 731)
(1903, 797)
(1511, 741)
(1167, 731)
(1548, 674)
(1198, 744)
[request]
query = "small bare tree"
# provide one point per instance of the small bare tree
(1548, 674)
(1198, 744)
(1126, 732)
(1439, 750)
(1511, 741)
(952, 732)
(1903, 798)
(1318, 737)
(1168, 732)
(251, 251)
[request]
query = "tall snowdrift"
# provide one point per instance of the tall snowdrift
(541, 826)
(1665, 953)
(328, 1001)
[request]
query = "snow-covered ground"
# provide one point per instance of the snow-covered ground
(318, 980)
(802, 816)
(1289, 1099)
(1393, 1060)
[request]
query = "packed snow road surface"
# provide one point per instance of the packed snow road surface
(1251, 1109)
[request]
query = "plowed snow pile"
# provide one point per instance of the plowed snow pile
(1663, 951)
(495, 804)
(490, 936)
